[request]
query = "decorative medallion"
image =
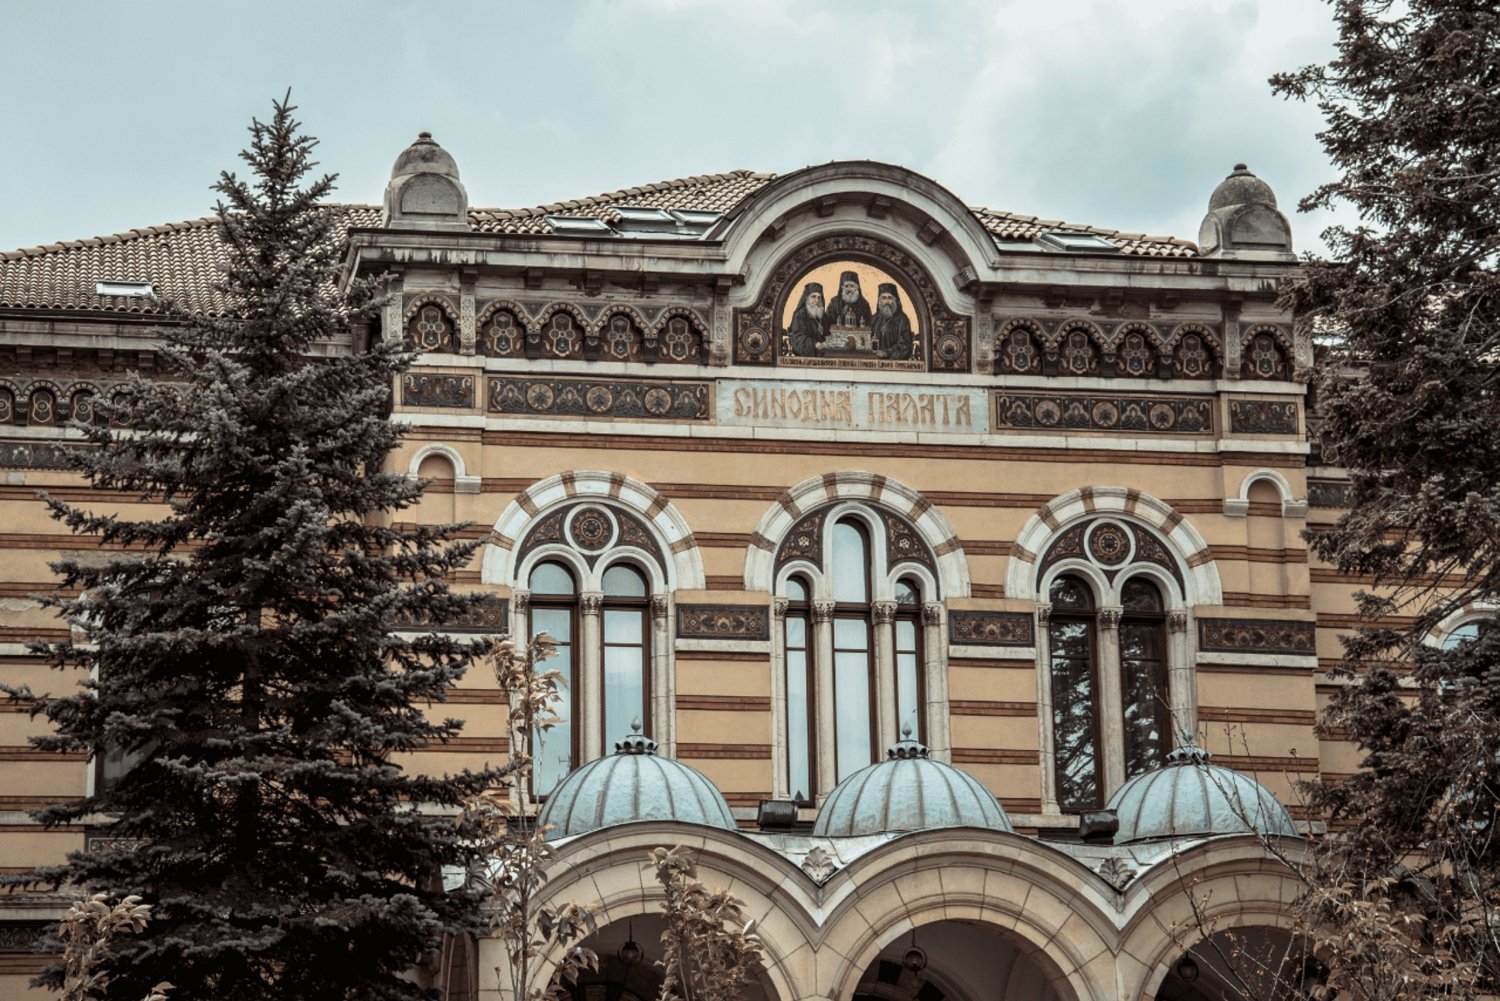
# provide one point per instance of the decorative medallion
(990, 628)
(420, 390)
(502, 336)
(429, 329)
(803, 542)
(1269, 636)
(1109, 544)
(1134, 414)
(1264, 358)
(819, 865)
(591, 528)
(1116, 872)
(600, 398)
(745, 622)
(1263, 416)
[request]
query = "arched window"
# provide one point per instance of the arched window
(1075, 706)
(1143, 676)
(554, 611)
(856, 603)
(627, 651)
(801, 738)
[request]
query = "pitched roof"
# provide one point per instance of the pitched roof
(181, 260)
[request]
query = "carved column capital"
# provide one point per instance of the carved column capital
(590, 602)
(778, 608)
(520, 600)
(823, 611)
(658, 606)
(1109, 618)
(884, 612)
(1043, 614)
(1177, 621)
(932, 613)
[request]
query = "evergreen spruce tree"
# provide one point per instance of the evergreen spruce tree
(240, 636)
(1410, 400)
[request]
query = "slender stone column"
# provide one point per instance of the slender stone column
(1048, 755)
(780, 754)
(1183, 697)
(827, 750)
(1111, 700)
(663, 705)
(935, 683)
(590, 678)
(884, 614)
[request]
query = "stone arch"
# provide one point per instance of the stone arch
(1200, 574)
(873, 489)
(1219, 884)
(437, 299)
(608, 867)
(685, 312)
(1276, 330)
(1473, 611)
(1017, 888)
(562, 305)
(616, 309)
(1027, 362)
(685, 561)
(1239, 506)
(462, 482)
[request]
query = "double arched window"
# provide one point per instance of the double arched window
(853, 672)
(606, 634)
(1114, 680)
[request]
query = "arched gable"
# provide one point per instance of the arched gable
(684, 562)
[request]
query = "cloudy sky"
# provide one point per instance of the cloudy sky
(1117, 113)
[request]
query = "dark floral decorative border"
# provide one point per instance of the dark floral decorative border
(1262, 417)
(491, 616)
(639, 400)
(744, 622)
(24, 937)
(437, 390)
(35, 455)
(1136, 414)
(1257, 636)
(990, 628)
(1329, 493)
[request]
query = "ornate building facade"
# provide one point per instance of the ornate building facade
(799, 469)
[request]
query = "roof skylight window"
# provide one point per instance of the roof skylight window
(125, 290)
(1076, 242)
(579, 225)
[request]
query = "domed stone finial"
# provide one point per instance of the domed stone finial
(424, 191)
(636, 742)
(906, 749)
(1243, 220)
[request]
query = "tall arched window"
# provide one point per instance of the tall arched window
(554, 611)
(1143, 676)
(853, 663)
(1075, 704)
(627, 651)
(801, 734)
(911, 688)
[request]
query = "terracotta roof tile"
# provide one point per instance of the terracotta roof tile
(181, 260)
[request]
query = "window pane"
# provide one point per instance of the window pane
(624, 625)
(624, 689)
(1140, 595)
(1070, 592)
(798, 710)
(1463, 634)
(906, 593)
(1074, 737)
(851, 686)
(851, 569)
(625, 582)
(796, 591)
(552, 750)
(908, 680)
(1144, 694)
(851, 634)
(551, 578)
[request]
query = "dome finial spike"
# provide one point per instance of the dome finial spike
(906, 731)
(635, 725)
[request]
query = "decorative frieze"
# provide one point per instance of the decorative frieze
(1263, 417)
(23, 936)
(591, 398)
(1269, 636)
(1329, 493)
(741, 622)
(35, 455)
(491, 615)
(1180, 415)
(420, 390)
(990, 628)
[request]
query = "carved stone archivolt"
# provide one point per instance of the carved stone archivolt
(591, 529)
(903, 543)
(1111, 546)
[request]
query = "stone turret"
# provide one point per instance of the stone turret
(424, 191)
(1243, 221)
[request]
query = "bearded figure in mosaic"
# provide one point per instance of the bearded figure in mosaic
(890, 326)
(849, 308)
(806, 331)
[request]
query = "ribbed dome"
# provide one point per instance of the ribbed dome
(1241, 188)
(1189, 796)
(633, 784)
(425, 156)
(908, 792)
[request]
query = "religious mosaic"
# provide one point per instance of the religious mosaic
(1257, 636)
(903, 544)
(990, 628)
(639, 400)
(1263, 416)
(1111, 546)
(592, 530)
(744, 622)
(422, 390)
(1066, 412)
(852, 302)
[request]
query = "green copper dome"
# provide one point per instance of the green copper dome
(908, 792)
(1191, 797)
(630, 785)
